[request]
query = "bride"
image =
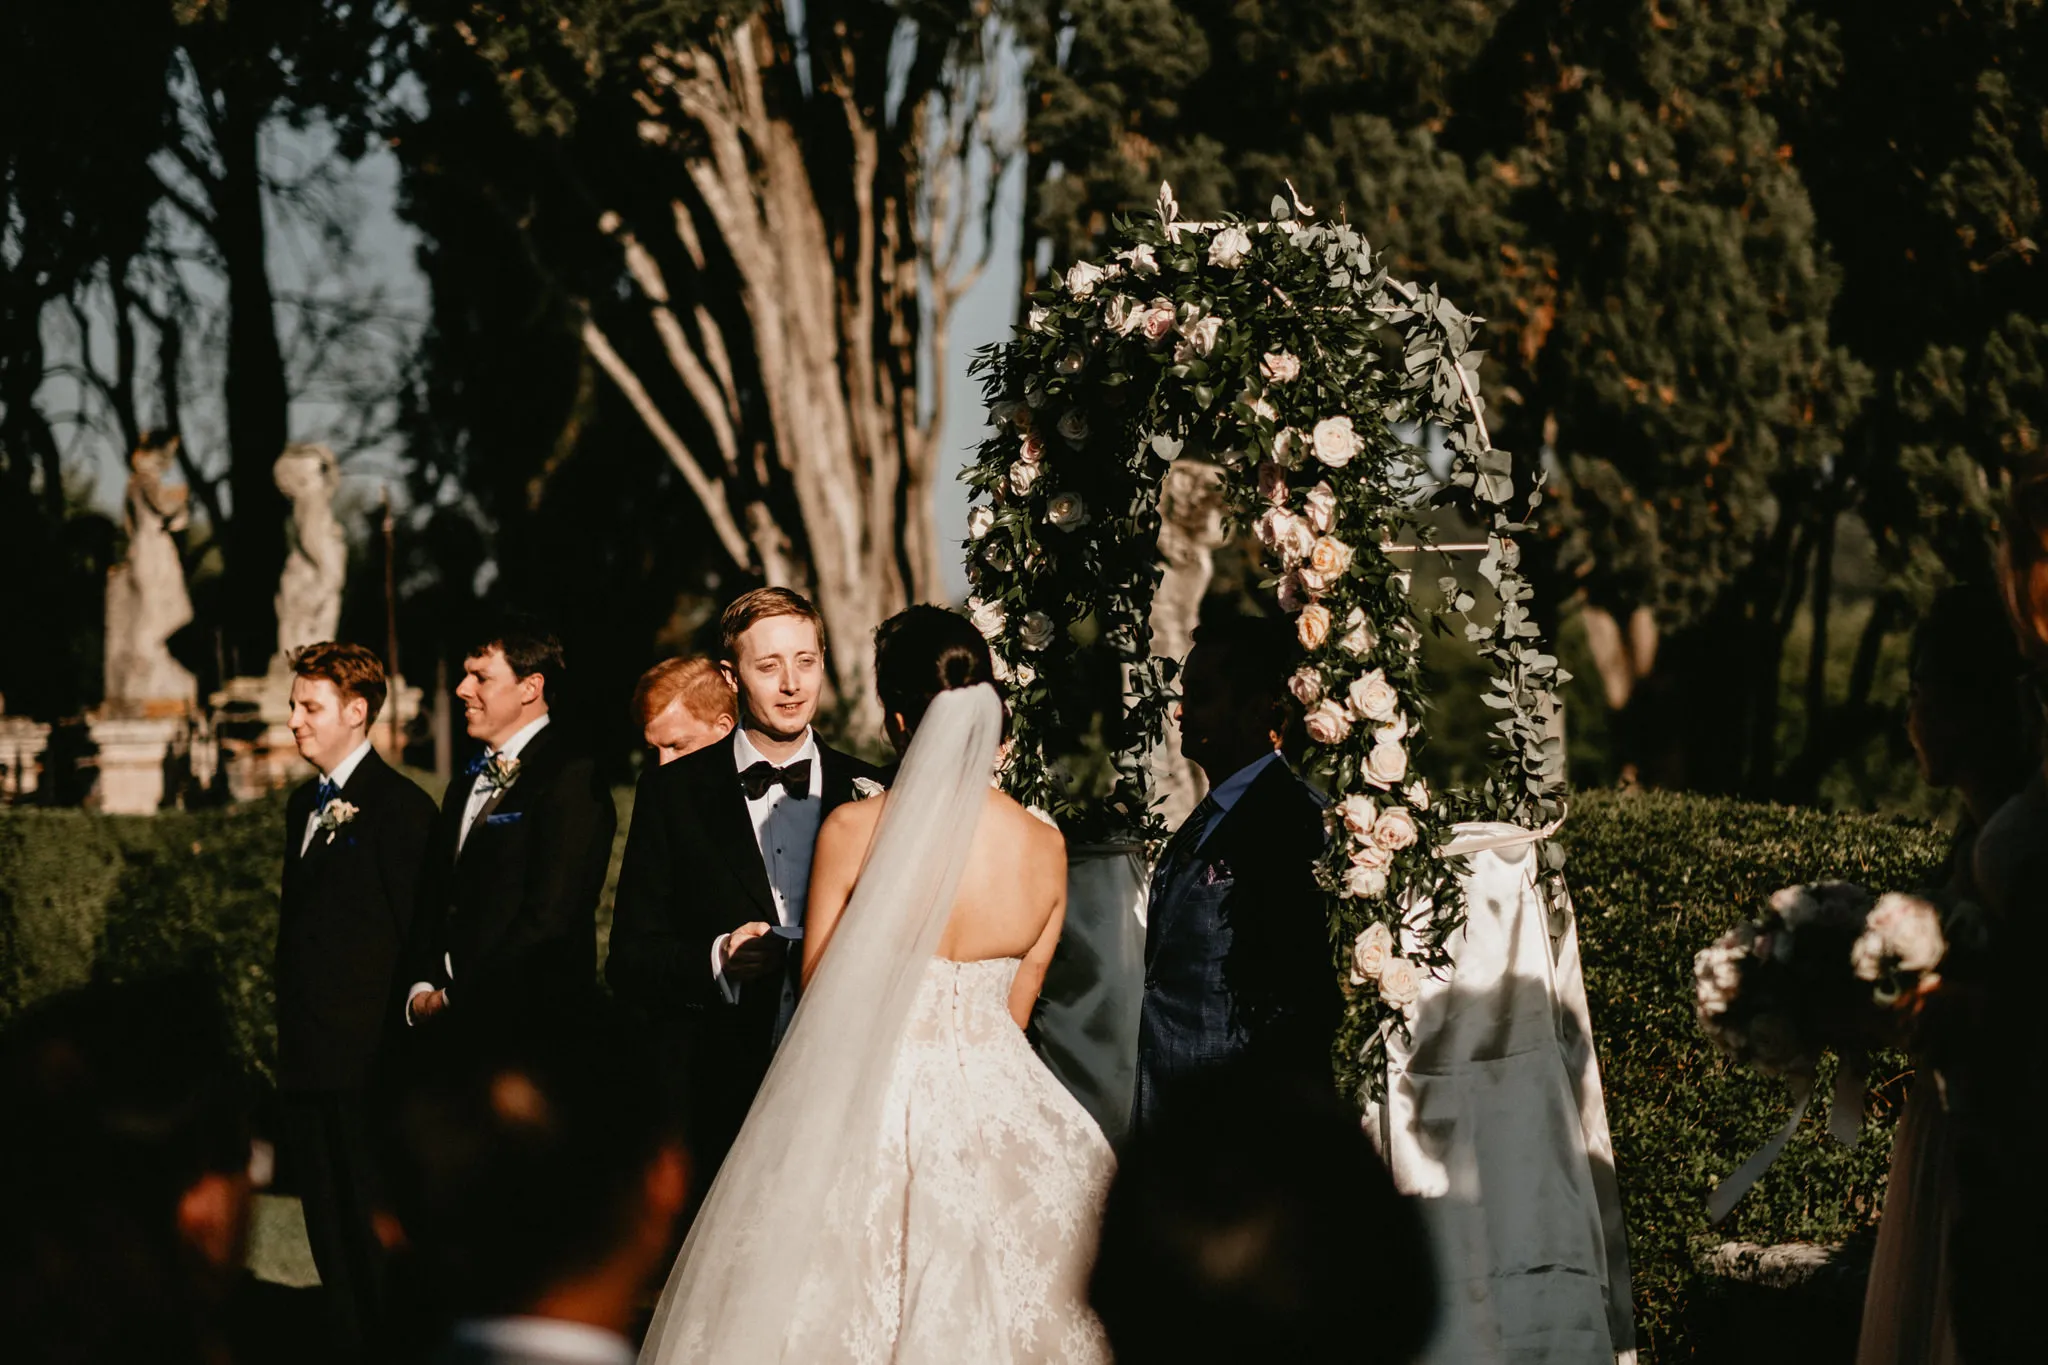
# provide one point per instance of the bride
(912, 1184)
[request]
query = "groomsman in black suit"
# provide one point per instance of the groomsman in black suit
(1237, 949)
(508, 916)
(707, 939)
(354, 840)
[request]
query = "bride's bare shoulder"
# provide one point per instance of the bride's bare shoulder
(1025, 823)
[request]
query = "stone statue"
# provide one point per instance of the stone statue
(146, 598)
(316, 551)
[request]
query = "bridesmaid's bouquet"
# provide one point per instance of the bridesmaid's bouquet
(1825, 968)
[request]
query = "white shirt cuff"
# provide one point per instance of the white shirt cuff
(419, 988)
(731, 989)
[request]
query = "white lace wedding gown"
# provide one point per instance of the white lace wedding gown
(971, 1233)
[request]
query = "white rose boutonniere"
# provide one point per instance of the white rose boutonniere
(500, 771)
(866, 787)
(1335, 441)
(1229, 247)
(334, 815)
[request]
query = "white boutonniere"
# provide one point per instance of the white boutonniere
(499, 772)
(864, 787)
(334, 815)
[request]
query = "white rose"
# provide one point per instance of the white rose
(1287, 448)
(1395, 830)
(1026, 675)
(1073, 425)
(988, 617)
(1392, 731)
(979, 520)
(1229, 247)
(1200, 339)
(1073, 360)
(1279, 367)
(1366, 853)
(1306, 685)
(1385, 763)
(1369, 953)
(1023, 475)
(1261, 408)
(998, 556)
(1417, 794)
(1400, 983)
(1285, 534)
(1313, 628)
(1365, 883)
(1335, 442)
(1035, 630)
(1357, 814)
(1717, 975)
(1082, 277)
(1358, 635)
(1123, 315)
(1327, 722)
(1066, 511)
(1321, 508)
(1374, 698)
(1313, 583)
(1329, 556)
(1157, 320)
(1272, 481)
(1910, 930)
(866, 788)
(1141, 260)
(1035, 322)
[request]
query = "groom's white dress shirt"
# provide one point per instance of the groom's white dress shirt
(343, 771)
(786, 831)
(550, 1339)
(480, 793)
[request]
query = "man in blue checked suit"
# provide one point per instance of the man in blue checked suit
(1237, 951)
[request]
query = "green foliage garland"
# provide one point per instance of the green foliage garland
(1282, 351)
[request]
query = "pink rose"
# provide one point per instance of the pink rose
(1327, 722)
(1322, 507)
(1306, 685)
(1400, 983)
(1374, 698)
(1279, 367)
(1395, 830)
(1291, 594)
(1329, 557)
(1357, 814)
(1314, 627)
(1365, 883)
(1366, 853)
(1032, 448)
(1157, 322)
(1385, 763)
(1335, 441)
(1369, 953)
(1023, 475)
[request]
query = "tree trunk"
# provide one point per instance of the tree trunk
(258, 400)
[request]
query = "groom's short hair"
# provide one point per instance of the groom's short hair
(762, 604)
(354, 671)
(1254, 653)
(529, 646)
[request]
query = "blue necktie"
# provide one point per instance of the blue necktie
(325, 792)
(477, 765)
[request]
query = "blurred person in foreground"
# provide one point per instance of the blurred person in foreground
(1246, 1222)
(683, 705)
(124, 1176)
(1968, 735)
(354, 841)
(537, 1179)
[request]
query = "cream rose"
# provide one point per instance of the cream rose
(1157, 321)
(1229, 247)
(1329, 557)
(1026, 675)
(1366, 853)
(1365, 883)
(1313, 628)
(1901, 927)
(1369, 953)
(1400, 983)
(1123, 315)
(1035, 321)
(1073, 425)
(1395, 830)
(1285, 534)
(1024, 476)
(988, 617)
(979, 520)
(1082, 277)
(1417, 794)
(1200, 339)
(1327, 723)
(1358, 635)
(1321, 507)
(1066, 511)
(1386, 763)
(1287, 447)
(1141, 260)
(1261, 408)
(1357, 814)
(1335, 442)
(1373, 698)
(1279, 367)
(1306, 685)
(998, 556)
(1035, 630)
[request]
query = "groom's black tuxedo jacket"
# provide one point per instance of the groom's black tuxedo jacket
(692, 872)
(345, 915)
(515, 908)
(1237, 948)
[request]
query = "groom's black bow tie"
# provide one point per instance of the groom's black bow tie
(795, 779)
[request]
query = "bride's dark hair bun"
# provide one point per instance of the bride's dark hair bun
(923, 651)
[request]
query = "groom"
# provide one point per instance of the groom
(1237, 952)
(707, 934)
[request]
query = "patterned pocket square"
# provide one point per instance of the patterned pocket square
(1217, 873)
(507, 817)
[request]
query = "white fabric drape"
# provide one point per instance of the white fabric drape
(752, 1245)
(1494, 1116)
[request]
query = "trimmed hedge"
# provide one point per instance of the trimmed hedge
(1653, 877)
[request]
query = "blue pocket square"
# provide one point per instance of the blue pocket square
(509, 817)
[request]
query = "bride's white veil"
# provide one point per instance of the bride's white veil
(755, 1240)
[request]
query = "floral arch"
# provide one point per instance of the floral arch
(1282, 351)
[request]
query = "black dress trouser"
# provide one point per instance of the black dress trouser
(328, 1147)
